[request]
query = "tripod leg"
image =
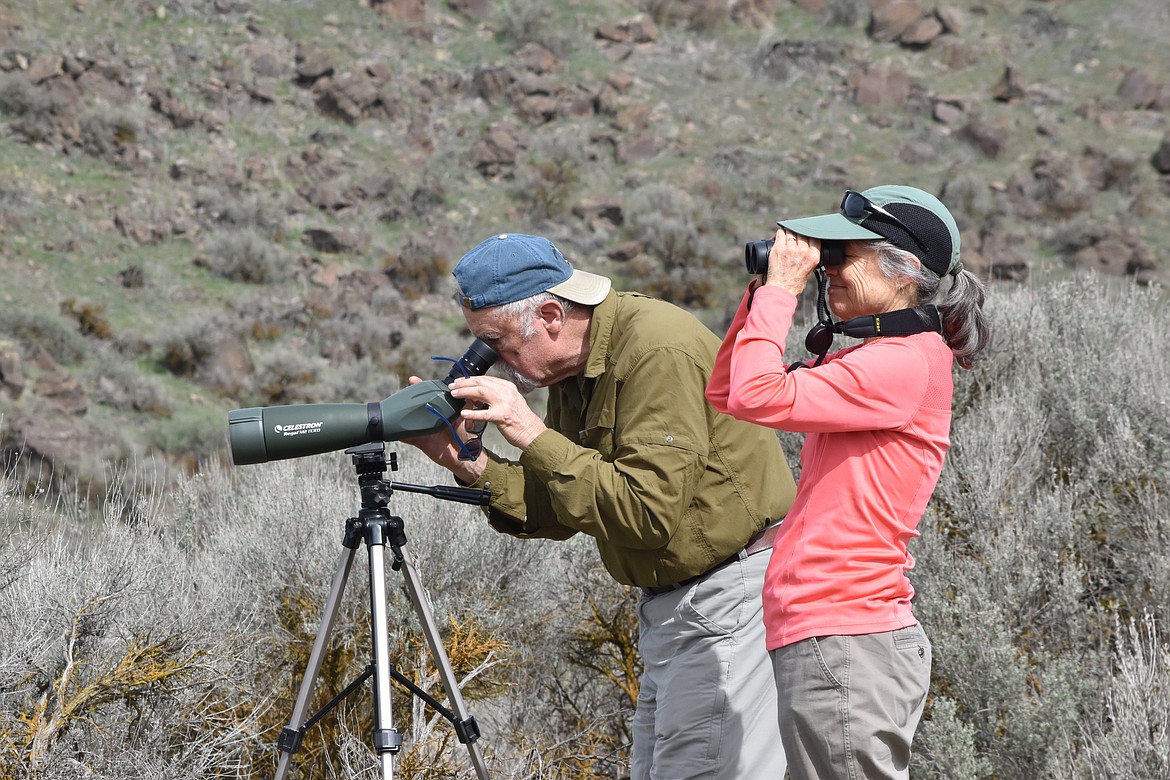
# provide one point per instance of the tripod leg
(422, 605)
(290, 737)
(387, 739)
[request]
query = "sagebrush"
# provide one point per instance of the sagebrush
(167, 638)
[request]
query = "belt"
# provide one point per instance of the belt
(763, 540)
(758, 543)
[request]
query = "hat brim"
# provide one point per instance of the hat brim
(831, 227)
(583, 287)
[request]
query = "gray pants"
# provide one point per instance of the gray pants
(707, 700)
(849, 705)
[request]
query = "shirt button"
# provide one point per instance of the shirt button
(669, 439)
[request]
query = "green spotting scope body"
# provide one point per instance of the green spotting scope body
(262, 433)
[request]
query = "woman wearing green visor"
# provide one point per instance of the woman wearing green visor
(852, 664)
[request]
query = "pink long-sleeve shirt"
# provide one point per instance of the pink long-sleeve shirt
(877, 423)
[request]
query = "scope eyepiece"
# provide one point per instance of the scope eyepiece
(478, 358)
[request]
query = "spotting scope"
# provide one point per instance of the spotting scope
(263, 433)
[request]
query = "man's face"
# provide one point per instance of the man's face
(529, 356)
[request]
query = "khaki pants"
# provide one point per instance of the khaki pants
(849, 705)
(707, 701)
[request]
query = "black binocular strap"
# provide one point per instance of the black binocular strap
(903, 322)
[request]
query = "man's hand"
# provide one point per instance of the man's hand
(442, 449)
(495, 400)
(487, 399)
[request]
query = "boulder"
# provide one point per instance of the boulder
(987, 138)
(12, 380)
(922, 33)
(1010, 87)
(637, 149)
(353, 95)
(227, 370)
(335, 240)
(640, 29)
(890, 19)
(880, 86)
(402, 10)
(995, 256)
(472, 9)
(536, 58)
(952, 19)
(492, 84)
(1139, 89)
(604, 208)
(1161, 158)
(494, 154)
(45, 67)
(63, 391)
(47, 449)
(311, 66)
(1113, 249)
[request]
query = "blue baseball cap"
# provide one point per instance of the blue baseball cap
(513, 266)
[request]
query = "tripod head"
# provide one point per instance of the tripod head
(370, 462)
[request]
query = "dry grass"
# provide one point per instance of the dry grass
(131, 246)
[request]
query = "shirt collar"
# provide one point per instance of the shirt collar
(600, 335)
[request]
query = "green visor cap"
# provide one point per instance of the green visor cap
(919, 211)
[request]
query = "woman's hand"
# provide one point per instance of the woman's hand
(792, 260)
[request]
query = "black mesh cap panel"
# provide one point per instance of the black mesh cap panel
(929, 229)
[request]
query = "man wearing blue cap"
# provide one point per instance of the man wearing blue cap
(679, 498)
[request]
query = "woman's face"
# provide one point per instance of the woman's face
(858, 287)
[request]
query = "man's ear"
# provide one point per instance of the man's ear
(552, 314)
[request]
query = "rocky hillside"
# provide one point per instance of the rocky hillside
(209, 204)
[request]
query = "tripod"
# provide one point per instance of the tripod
(379, 528)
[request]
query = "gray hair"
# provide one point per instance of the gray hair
(966, 327)
(524, 310)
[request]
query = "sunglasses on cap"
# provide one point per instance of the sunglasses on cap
(856, 206)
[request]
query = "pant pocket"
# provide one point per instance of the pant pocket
(832, 654)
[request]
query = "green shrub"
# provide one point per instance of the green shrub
(191, 434)
(418, 267)
(91, 319)
(550, 180)
(682, 243)
(1048, 527)
(119, 384)
(35, 112)
(254, 211)
(184, 348)
(245, 255)
(535, 21)
(50, 332)
(286, 375)
(110, 133)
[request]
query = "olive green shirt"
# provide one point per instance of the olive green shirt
(636, 457)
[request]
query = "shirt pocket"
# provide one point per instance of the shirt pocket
(600, 420)
(599, 434)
